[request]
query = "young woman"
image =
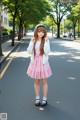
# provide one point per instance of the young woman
(39, 67)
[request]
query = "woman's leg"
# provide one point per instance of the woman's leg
(37, 90)
(45, 91)
(36, 86)
(45, 87)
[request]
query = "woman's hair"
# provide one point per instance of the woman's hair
(37, 29)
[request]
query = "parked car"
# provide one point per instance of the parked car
(65, 35)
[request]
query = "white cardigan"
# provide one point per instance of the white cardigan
(46, 51)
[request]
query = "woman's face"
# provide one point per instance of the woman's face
(40, 34)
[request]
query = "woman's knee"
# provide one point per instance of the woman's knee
(37, 82)
(44, 81)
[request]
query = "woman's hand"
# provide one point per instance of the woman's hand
(33, 40)
(46, 38)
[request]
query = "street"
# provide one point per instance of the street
(17, 91)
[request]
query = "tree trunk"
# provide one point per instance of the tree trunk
(52, 30)
(58, 30)
(74, 25)
(1, 54)
(0, 43)
(78, 28)
(13, 34)
(20, 30)
(0, 36)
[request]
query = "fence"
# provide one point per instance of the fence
(2, 40)
(5, 38)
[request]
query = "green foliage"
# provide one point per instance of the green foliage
(6, 31)
(68, 25)
(73, 16)
(59, 11)
(28, 11)
(48, 22)
(76, 10)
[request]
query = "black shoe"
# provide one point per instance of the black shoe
(44, 103)
(37, 102)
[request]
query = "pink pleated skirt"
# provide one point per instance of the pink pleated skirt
(38, 70)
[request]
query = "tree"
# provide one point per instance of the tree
(76, 9)
(68, 25)
(50, 25)
(1, 54)
(12, 7)
(31, 12)
(59, 11)
(74, 16)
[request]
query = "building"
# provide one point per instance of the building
(4, 19)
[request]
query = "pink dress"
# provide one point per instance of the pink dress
(38, 70)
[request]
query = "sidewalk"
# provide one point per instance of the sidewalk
(7, 48)
(72, 39)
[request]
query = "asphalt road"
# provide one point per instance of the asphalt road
(17, 92)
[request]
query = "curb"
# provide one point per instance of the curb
(2, 61)
(67, 39)
(76, 40)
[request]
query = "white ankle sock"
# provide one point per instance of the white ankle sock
(45, 98)
(37, 97)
